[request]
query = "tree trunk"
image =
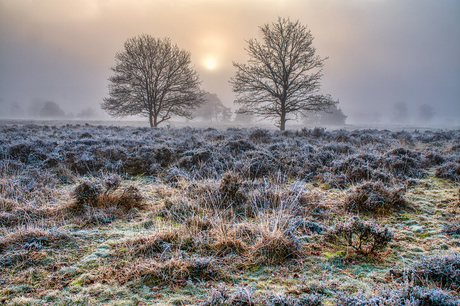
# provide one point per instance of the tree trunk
(283, 116)
(150, 120)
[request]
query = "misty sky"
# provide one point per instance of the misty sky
(380, 52)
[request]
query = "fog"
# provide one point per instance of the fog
(382, 54)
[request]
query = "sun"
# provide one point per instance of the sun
(210, 63)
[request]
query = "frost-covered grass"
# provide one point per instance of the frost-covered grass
(140, 216)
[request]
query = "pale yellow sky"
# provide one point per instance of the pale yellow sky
(380, 52)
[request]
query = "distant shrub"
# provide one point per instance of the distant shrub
(363, 236)
(374, 197)
(416, 296)
(402, 162)
(239, 146)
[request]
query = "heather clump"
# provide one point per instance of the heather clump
(443, 270)
(407, 296)
(449, 170)
(374, 198)
(246, 297)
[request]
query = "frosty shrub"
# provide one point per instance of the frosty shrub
(450, 170)
(246, 297)
(410, 296)
(363, 236)
(441, 269)
(375, 198)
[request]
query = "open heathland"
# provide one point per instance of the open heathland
(106, 215)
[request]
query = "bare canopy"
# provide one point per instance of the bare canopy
(277, 81)
(153, 78)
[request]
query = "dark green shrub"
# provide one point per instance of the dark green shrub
(363, 236)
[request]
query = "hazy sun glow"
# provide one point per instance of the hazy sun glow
(210, 63)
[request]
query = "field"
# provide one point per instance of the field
(106, 215)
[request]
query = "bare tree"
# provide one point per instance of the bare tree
(277, 81)
(153, 78)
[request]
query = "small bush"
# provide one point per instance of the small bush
(288, 300)
(363, 236)
(242, 297)
(374, 197)
(307, 225)
(87, 193)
